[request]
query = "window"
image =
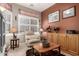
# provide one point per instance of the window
(34, 24)
(7, 18)
(27, 23)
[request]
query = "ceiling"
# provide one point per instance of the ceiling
(37, 6)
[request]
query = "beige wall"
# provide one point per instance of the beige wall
(16, 7)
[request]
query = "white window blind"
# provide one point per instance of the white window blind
(27, 23)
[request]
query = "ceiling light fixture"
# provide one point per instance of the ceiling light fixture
(2, 9)
(31, 5)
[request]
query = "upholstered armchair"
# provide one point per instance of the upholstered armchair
(32, 38)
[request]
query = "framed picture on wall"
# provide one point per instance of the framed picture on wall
(70, 12)
(53, 17)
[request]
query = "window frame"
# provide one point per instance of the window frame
(29, 18)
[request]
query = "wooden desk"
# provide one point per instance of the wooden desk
(14, 43)
(41, 50)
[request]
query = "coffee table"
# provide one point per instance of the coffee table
(39, 47)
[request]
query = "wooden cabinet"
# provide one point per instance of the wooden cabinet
(63, 42)
(69, 42)
(53, 37)
(73, 41)
(50, 36)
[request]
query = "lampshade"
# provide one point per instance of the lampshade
(44, 34)
(13, 29)
(41, 30)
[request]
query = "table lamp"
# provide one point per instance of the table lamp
(41, 30)
(45, 34)
(13, 30)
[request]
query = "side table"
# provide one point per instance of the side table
(14, 43)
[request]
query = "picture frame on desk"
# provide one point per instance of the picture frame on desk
(70, 12)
